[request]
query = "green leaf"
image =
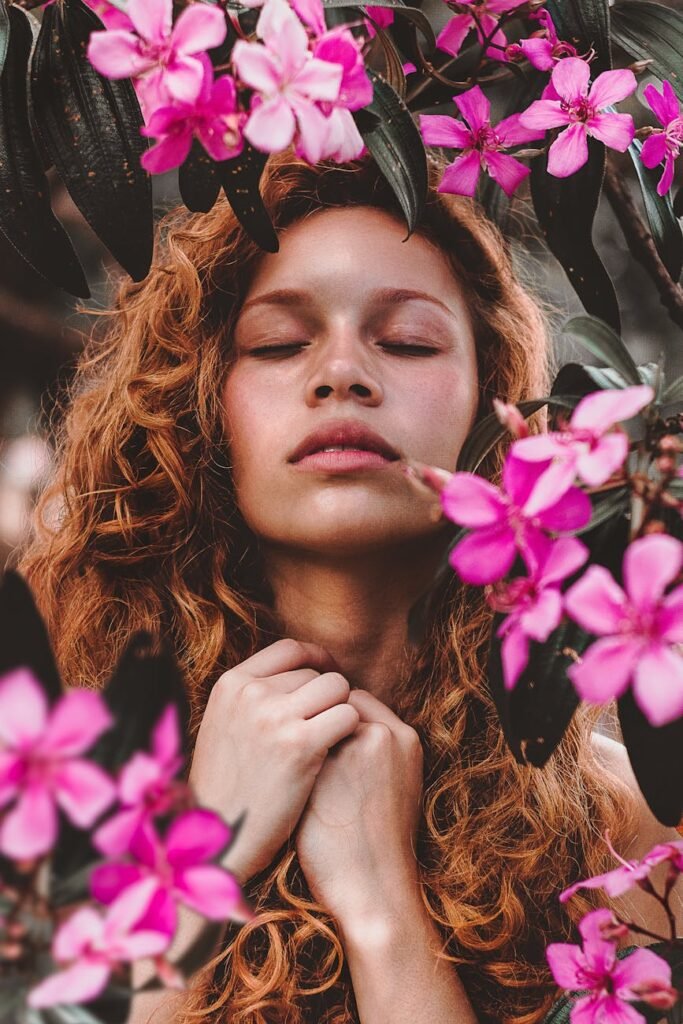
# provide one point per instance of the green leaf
(91, 127)
(586, 23)
(26, 218)
(489, 431)
(198, 181)
(663, 222)
(606, 506)
(393, 139)
(603, 342)
(673, 392)
(413, 14)
(650, 31)
(656, 756)
(240, 179)
(4, 32)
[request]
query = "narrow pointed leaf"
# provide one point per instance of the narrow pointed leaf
(413, 14)
(240, 179)
(198, 180)
(604, 343)
(656, 756)
(663, 222)
(393, 139)
(653, 32)
(26, 217)
(91, 127)
(4, 32)
(24, 639)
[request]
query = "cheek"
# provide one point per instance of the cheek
(446, 408)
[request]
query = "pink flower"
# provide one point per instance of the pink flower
(542, 49)
(40, 766)
(214, 118)
(311, 12)
(383, 16)
(289, 84)
(623, 878)
(488, 12)
(587, 447)
(581, 109)
(639, 626)
(511, 418)
(338, 46)
(611, 983)
(180, 865)
(534, 603)
(164, 58)
(110, 16)
(503, 522)
(480, 142)
(93, 944)
(146, 786)
(663, 145)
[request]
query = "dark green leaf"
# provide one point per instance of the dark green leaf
(489, 431)
(604, 343)
(91, 127)
(678, 202)
(580, 379)
(393, 64)
(393, 139)
(70, 1015)
(606, 506)
(198, 181)
(23, 637)
(413, 14)
(240, 179)
(656, 756)
(587, 24)
(12, 998)
(71, 889)
(26, 218)
(4, 32)
(663, 222)
(654, 32)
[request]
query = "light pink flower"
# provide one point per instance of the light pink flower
(214, 118)
(92, 944)
(311, 12)
(663, 146)
(289, 84)
(640, 628)
(620, 880)
(481, 144)
(501, 521)
(40, 766)
(339, 46)
(582, 110)
(542, 49)
(146, 786)
(488, 12)
(534, 603)
(612, 984)
(180, 864)
(162, 57)
(588, 447)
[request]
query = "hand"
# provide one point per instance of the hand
(356, 838)
(268, 725)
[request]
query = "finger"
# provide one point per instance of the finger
(371, 709)
(288, 654)
(320, 693)
(334, 725)
(288, 682)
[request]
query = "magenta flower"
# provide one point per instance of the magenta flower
(488, 12)
(110, 16)
(180, 865)
(40, 766)
(163, 58)
(582, 110)
(631, 872)
(588, 447)
(93, 944)
(542, 49)
(383, 17)
(640, 628)
(480, 142)
(663, 146)
(289, 84)
(502, 522)
(611, 984)
(311, 12)
(214, 118)
(338, 46)
(147, 786)
(534, 603)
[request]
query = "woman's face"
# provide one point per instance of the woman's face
(347, 327)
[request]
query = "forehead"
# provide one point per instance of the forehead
(351, 251)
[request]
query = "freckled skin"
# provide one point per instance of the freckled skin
(422, 403)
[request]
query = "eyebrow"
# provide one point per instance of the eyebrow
(382, 296)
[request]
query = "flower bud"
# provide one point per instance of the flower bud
(654, 526)
(426, 478)
(655, 994)
(511, 418)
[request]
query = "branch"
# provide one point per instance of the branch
(641, 243)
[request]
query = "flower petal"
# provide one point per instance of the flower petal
(183, 78)
(460, 178)
(453, 34)
(256, 66)
(117, 54)
(168, 153)
(566, 555)
(601, 410)
(566, 963)
(596, 601)
(199, 27)
(83, 791)
(108, 880)
(469, 500)
(512, 132)
(152, 18)
(605, 669)
(194, 837)
(79, 983)
(129, 908)
(474, 107)
(77, 720)
(654, 149)
(271, 125)
(639, 966)
(444, 130)
(485, 555)
(612, 86)
(615, 130)
(569, 151)
(658, 685)
(23, 708)
(664, 105)
(650, 564)
(571, 512)
(508, 172)
(514, 653)
(570, 79)
(542, 114)
(210, 890)
(29, 829)
(166, 741)
(596, 466)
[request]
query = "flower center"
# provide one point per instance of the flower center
(485, 139)
(578, 110)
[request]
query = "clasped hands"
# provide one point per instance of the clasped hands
(356, 837)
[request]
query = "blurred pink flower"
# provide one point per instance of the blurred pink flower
(488, 13)
(311, 12)
(611, 984)
(339, 46)
(289, 84)
(502, 521)
(162, 57)
(542, 50)
(588, 447)
(40, 766)
(383, 16)
(663, 146)
(620, 880)
(534, 603)
(640, 628)
(582, 110)
(214, 118)
(179, 864)
(146, 786)
(110, 16)
(481, 143)
(93, 944)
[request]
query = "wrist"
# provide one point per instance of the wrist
(382, 923)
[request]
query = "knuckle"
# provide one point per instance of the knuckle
(289, 646)
(340, 682)
(291, 741)
(378, 733)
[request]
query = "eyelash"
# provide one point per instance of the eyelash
(267, 350)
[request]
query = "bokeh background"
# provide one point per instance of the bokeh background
(42, 330)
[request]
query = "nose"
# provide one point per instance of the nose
(342, 368)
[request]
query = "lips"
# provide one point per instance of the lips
(350, 434)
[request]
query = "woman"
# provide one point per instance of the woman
(402, 865)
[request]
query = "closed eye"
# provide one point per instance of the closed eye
(270, 351)
(407, 349)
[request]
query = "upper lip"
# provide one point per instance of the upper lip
(351, 433)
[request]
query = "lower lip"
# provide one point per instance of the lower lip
(343, 461)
